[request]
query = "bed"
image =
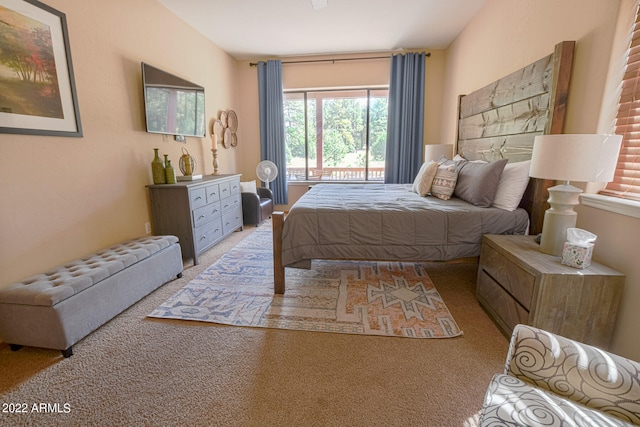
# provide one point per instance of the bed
(390, 222)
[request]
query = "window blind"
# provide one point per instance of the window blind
(626, 182)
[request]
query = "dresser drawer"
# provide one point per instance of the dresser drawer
(197, 198)
(512, 278)
(208, 234)
(504, 307)
(213, 193)
(230, 204)
(225, 189)
(234, 186)
(206, 214)
(232, 220)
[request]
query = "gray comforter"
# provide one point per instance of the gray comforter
(388, 222)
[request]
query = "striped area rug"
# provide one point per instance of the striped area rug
(350, 297)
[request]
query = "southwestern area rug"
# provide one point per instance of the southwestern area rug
(350, 297)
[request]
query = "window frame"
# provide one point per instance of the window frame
(304, 97)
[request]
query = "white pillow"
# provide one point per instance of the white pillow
(512, 185)
(248, 187)
(418, 177)
(422, 183)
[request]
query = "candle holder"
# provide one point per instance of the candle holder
(214, 151)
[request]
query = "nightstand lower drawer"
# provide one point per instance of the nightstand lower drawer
(502, 306)
(514, 279)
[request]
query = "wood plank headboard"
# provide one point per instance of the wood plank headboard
(502, 119)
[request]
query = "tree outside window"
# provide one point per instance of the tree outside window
(336, 134)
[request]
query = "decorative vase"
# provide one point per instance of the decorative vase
(157, 168)
(187, 163)
(170, 173)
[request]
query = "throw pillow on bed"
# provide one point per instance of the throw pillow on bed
(512, 185)
(419, 176)
(478, 182)
(422, 183)
(444, 182)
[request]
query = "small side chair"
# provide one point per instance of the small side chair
(257, 203)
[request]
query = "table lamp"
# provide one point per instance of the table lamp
(564, 157)
(435, 151)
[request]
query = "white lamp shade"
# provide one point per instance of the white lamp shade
(583, 158)
(435, 151)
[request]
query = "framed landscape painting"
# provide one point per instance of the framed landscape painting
(37, 88)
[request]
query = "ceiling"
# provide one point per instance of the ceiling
(250, 29)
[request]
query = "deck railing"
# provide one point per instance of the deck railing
(335, 174)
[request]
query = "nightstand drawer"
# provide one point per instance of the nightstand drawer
(504, 308)
(511, 277)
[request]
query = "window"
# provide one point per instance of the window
(626, 183)
(337, 135)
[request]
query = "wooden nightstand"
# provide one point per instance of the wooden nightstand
(519, 284)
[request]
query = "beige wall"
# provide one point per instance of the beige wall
(339, 74)
(65, 197)
(506, 36)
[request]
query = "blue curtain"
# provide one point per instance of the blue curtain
(405, 127)
(272, 141)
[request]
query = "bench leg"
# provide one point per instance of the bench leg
(15, 347)
(67, 353)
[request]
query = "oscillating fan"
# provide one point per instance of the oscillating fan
(267, 171)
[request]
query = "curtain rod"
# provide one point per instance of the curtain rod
(334, 60)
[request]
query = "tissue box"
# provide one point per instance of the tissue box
(578, 256)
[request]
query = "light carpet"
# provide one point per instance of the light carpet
(351, 297)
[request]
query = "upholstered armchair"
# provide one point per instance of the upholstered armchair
(256, 205)
(554, 381)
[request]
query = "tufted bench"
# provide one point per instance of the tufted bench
(58, 308)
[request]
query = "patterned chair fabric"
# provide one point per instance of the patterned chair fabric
(554, 381)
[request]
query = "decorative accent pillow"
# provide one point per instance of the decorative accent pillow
(512, 185)
(248, 187)
(418, 177)
(478, 182)
(444, 182)
(422, 183)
